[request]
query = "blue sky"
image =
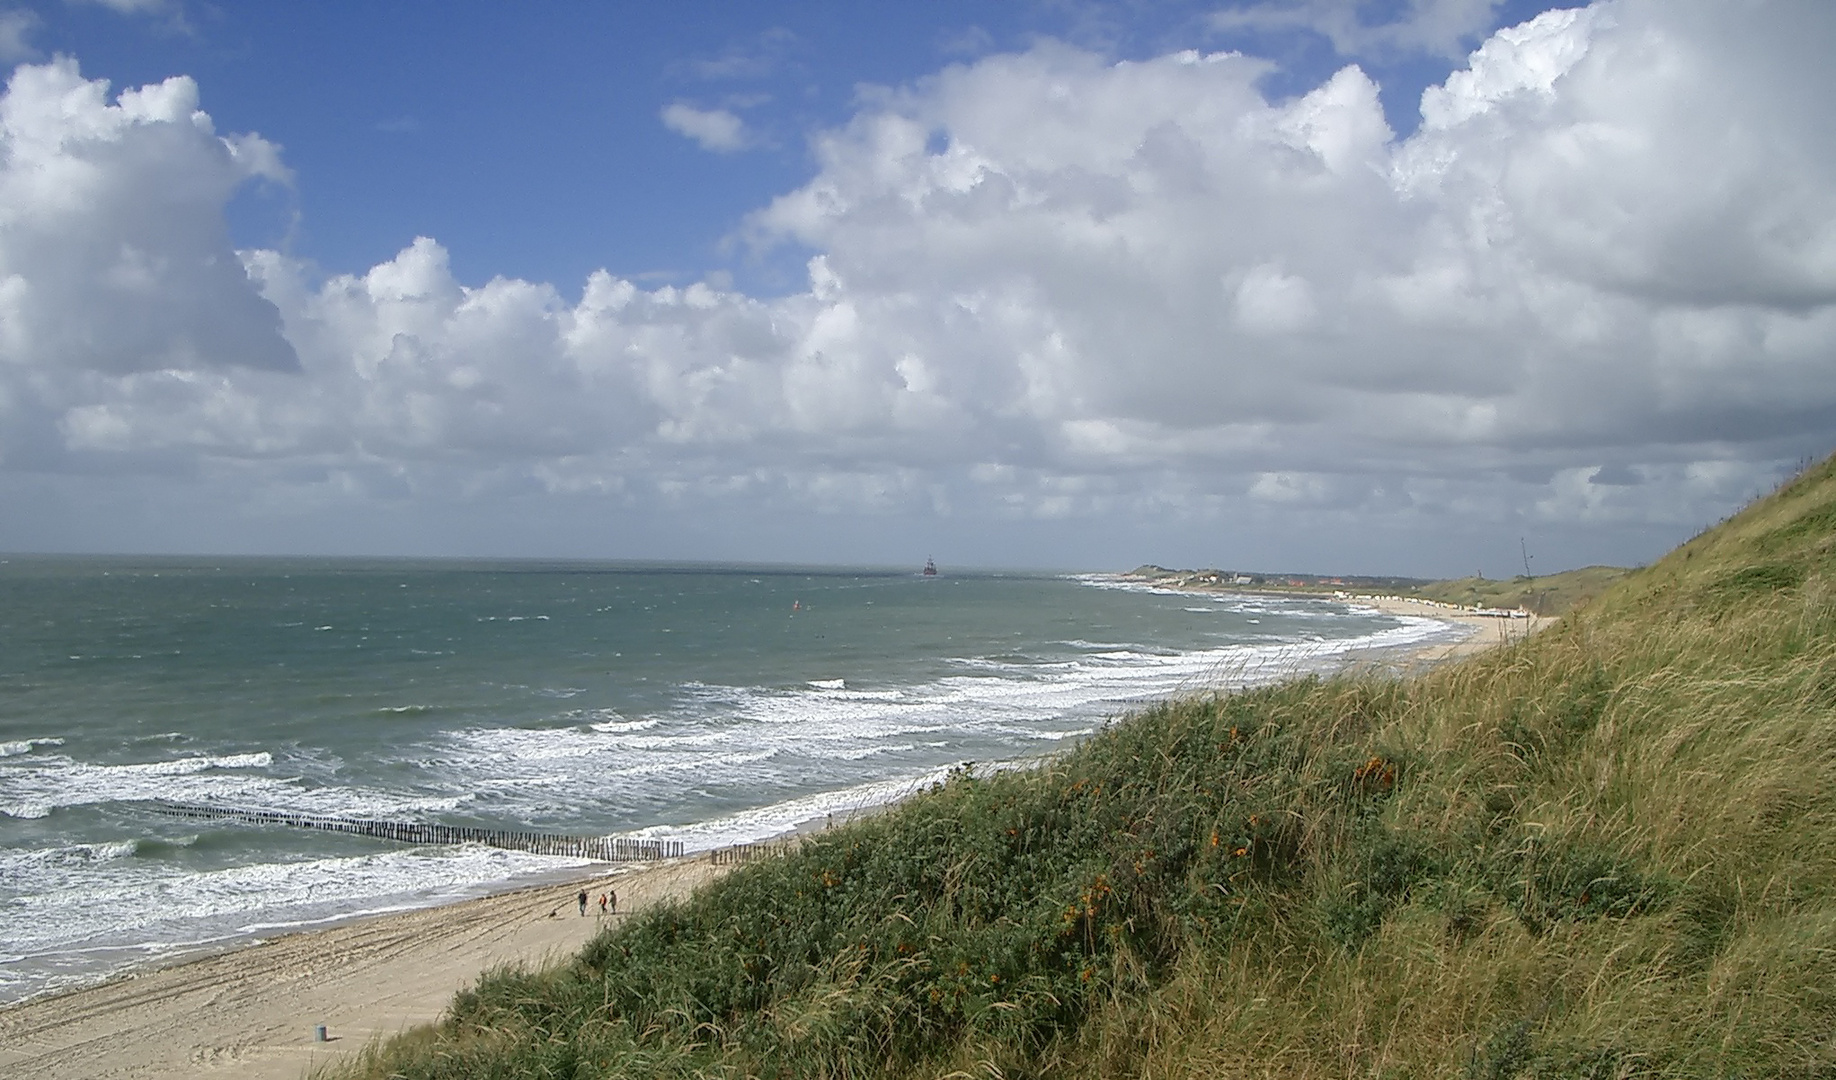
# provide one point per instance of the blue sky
(527, 138)
(1284, 284)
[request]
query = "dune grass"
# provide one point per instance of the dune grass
(1545, 594)
(1609, 851)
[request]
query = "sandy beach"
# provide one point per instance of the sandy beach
(252, 1011)
(1486, 630)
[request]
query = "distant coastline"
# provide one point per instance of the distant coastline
(1487, 626)
(1544, 594)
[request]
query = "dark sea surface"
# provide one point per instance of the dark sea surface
(703, 704)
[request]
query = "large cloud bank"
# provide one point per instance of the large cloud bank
(1595, 289)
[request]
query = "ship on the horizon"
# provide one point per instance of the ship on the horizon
(930, 568)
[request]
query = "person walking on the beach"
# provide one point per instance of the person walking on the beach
(583, 903)
(602, 903)
(612, 898)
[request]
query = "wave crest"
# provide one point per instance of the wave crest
(25, 746)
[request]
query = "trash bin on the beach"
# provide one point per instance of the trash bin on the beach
(318, 1034)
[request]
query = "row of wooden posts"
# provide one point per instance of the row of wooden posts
(745, 853)
(600, 848)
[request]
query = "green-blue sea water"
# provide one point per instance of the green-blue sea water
(704, 704)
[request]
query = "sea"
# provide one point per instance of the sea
(708, 705)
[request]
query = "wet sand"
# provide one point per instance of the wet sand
(252, 1011)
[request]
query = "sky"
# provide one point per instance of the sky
(1418, 287)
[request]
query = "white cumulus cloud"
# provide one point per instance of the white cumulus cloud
(1362, 27)
(114, 258)
(16, 28)
(1595, 294)
(714, 129)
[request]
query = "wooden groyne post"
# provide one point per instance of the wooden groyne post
(598, 848)
(744, 853)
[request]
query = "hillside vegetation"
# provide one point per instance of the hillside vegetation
(1545, 594)
(1609, 851)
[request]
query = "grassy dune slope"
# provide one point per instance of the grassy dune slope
(1607, 852)
(1547, 594)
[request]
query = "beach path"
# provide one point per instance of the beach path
(252, 1012)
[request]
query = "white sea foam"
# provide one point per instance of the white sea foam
(44, 786)
(609, 727)
(763, 822)
(734, 742)
(17, 861)
(25, 746)
(1119, 584)
(1300, 607)
(85, 918)
(35, 791)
